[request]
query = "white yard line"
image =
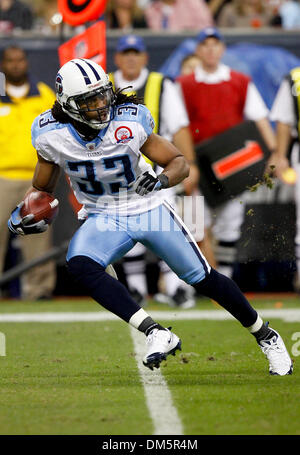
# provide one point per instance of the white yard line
(287, 315)
(158, 397)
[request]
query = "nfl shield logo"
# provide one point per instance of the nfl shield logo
(91, 146)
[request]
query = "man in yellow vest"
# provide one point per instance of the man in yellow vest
(286, 113)
(163, 99)
(24, 99)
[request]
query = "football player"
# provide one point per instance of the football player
(97, 136)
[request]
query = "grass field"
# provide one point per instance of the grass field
(83, 378)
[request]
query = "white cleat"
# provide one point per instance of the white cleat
(160, 344)
(280, 363)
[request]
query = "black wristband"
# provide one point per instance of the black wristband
(163, 178)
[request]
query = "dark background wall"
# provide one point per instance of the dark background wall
(44, 62)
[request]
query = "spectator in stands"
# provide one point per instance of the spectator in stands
(48, 16)
(245, 13)
(218, 99)
(15, 14)
(216, 7)
(178, 15)
(289, 13)
(124, 15)
(162, 98)
(25, 99)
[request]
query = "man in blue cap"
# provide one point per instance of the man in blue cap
(131, 57)
(165, 103)
(217, 99)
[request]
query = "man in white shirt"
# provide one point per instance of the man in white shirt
(217, 99)
(285, 112)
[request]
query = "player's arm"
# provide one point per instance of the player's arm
(166, 155)
(284, 114)
(256, 110)
(45, 175)
(278, 146)
(45, 178)
(279, 159)
(267, 133)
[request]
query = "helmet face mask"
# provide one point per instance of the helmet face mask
(85, 93)
(95, 107)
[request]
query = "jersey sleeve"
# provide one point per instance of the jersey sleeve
(38, 136)
(146, 123)
(283, 105)
(255, 108)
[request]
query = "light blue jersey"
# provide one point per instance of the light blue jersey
(102, 173)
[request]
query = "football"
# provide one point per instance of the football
(42, 205)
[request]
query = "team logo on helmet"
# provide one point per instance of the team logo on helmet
(58, 84)
(123, 134)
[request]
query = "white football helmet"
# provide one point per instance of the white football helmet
(82, 87)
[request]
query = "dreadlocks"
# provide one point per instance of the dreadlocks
(59, 114)
(122, 98)
(84, 130)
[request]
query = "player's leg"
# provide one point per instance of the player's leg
(134, 265)
(177, 292)
(178, 248)
(97, 243)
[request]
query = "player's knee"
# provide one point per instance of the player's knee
(82, 266)
(194, 277)
(214, 283)
(208, 283)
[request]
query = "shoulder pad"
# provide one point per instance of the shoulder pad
(135, 113)
(42, 124)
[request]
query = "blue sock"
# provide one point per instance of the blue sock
(105, 289)
(108, 291)
(226, 292)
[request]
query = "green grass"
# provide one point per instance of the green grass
(82, 378)
(221, 384)
(60, 304)
(70, 379)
